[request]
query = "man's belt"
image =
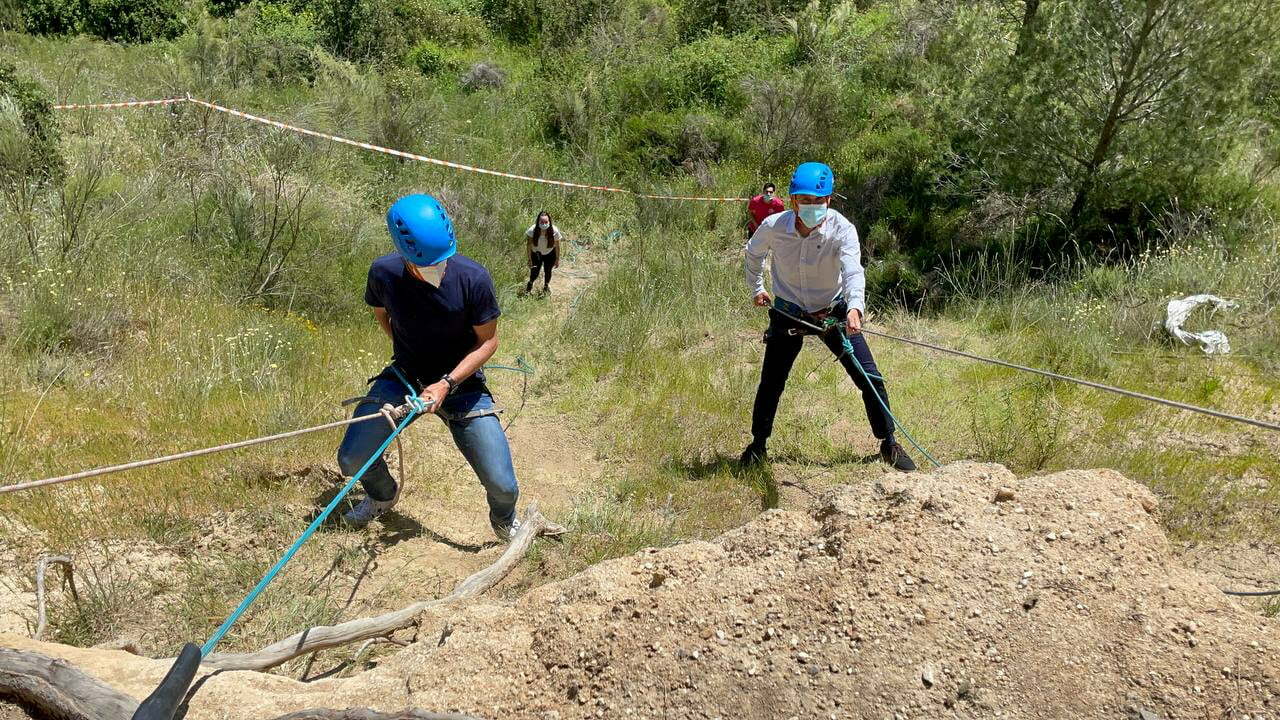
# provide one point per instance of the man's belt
(817, 318)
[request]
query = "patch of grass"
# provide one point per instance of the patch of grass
(107, 609)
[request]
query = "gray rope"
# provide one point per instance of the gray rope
(183, 455)
(1087, 383)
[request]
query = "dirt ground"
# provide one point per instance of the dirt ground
(916, 596)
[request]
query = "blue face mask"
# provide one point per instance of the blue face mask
(812, 215)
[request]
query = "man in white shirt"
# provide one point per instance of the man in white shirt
(816, 274)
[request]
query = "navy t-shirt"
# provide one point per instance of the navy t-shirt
(432, 329)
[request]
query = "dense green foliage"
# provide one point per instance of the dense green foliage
(1040, 130)
(119, 20)
(31, 129)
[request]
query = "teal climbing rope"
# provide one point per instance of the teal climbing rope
(522, 366)
(416, 407)
(848, 350)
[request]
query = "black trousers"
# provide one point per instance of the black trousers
(780, 350)
(538, 263)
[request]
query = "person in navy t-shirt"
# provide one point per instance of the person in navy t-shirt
(441, 312)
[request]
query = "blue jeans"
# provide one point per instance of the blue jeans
(476, 431)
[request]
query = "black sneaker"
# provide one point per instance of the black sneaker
(755, 454)
(893, 455)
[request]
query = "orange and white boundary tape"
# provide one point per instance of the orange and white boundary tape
(389, 151)
(108, 106)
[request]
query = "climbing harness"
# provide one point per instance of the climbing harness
(831, 323)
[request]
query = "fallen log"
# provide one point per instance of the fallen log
(58, 690)
(329, 636)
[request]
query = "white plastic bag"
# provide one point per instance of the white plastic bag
(1211, 341)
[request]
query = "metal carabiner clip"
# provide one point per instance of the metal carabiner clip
(418, 404)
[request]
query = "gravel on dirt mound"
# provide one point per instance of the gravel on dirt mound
(964, 592)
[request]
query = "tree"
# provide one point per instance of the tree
(1136, 95)
(1026, 31)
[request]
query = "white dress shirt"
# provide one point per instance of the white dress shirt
(812, 271)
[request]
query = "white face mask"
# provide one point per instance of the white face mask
(433, 274)
(544, 224)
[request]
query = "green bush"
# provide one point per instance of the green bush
(563, 20)
(709, 70)
(700, 17)
(559, 22)
(359, 29)
(893, 278)
(130, 21)
(30, 149)
(224, 8)
(135, 21)
(452, 23)
(427, 58)
(267, 42)
(54, 17)
(281, 43)
(280, 22)
(660, 142)
(516, 20)
(10, 16)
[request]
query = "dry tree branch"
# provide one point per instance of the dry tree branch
(42, 566)
(328, 636)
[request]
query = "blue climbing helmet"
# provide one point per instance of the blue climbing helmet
(813, 178)
(421, 229)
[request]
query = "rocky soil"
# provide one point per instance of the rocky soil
(965, 592)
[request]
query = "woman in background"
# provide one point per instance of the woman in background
(543, 239)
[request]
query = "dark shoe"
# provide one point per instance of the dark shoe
(546, 290)
(755, 454)
(893, 455)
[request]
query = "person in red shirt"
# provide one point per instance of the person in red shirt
(762, 206)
